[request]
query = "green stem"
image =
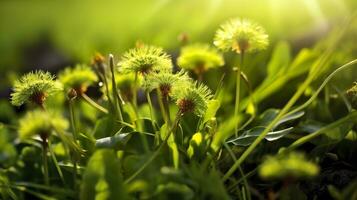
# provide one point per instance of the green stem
(135, 92)
(162, 106)
(94, 104)
(236, 106)
(350, 117)
(157, 152)
(167, 109)
(117, 99)
(45, 162)
(153, 120)
(75, 137)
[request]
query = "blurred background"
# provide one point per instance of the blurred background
(53, 34)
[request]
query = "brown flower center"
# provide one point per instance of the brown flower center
(165, 90)
(186, 105)
(38, 98)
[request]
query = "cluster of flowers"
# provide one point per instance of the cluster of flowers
(145, 65)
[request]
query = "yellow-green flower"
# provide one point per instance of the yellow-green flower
(291, 165)
(35, 87)
(145, 59)
(78, 78)
(199, 58)
(165, 81)
(192, 98)
(241, 36)
(41, 123)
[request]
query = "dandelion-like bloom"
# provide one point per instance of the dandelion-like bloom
(192, 98)
(165, 81)
(145, 59)
(199, 58)
(293, 164)
(35, 87)
(241, 36)
(41, 123)
(78, 78)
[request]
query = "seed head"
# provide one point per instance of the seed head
(165, 81)
(199, 58)
(41, 123)
(192, 98)
(293, 165)
(35, 87)
(78, 78)
(144, 60)
(241, 35)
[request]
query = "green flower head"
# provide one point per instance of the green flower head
(192, 98)
(165, 81)
(199, 58)
(293, 164)
(145, 59)
(78, 78)
(241, 36)
(41, 123)
(35, 87)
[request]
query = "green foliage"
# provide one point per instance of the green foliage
(241, 35)
(183, 141)
(34, 86)
(102, 178)
(199, 58)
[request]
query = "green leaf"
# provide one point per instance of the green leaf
(105, 127)
(249, 136)
(195, 144)
(280, 59)
(212, 108)
(115, 142)
(102, 178)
